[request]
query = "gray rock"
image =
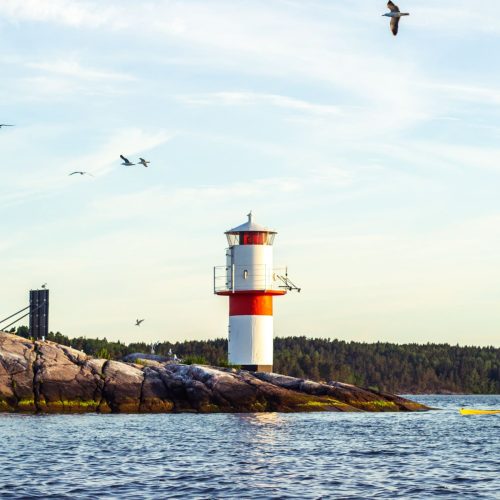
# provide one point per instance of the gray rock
(135, 356)
(47, 377)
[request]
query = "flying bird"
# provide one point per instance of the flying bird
(394, 14)
(138, 322)
(6, 125)
(44, 285)
(144, 162)
(81, 173)
(126, 162)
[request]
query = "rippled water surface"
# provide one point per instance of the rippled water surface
(320, 455)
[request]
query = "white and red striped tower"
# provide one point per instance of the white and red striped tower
(251, 282)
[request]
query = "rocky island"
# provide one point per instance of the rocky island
(45, 377)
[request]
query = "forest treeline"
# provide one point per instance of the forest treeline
(400, 368)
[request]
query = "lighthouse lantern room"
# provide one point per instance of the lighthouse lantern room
(251, 281)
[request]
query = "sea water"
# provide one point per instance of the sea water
(436, 454)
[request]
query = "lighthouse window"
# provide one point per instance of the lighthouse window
(250, 238)
(253, 238)
(233, 239)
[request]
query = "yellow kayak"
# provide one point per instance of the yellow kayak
(466, 411)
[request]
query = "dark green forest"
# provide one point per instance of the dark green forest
(400, 368)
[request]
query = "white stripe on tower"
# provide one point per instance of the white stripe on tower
(251, 340)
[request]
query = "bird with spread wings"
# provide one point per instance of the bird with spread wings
(126, 161)
(81, 173)
(395, 14)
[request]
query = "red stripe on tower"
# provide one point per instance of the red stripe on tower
(242, 305)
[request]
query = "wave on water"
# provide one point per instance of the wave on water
(313, 455)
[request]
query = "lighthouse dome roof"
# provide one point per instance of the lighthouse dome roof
(250, 226)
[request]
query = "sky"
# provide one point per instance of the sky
(376, 158)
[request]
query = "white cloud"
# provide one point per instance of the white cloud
(107, 158)
(460, 17)
(160, 200)
(474, 93)
(67, 78)
(60, 79)
(253, 98)
(68, 12)
(74, 69)
(454, 155)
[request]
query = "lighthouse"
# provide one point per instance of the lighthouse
(251, 281)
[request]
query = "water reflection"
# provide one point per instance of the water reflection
(261, 429)
(261, 419)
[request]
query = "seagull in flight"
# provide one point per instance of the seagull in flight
(138, 322)
(144, 162)
(394, 14)
(81, 173)
(126, 162)
(6, 125)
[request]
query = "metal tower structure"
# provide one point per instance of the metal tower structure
(39, 313)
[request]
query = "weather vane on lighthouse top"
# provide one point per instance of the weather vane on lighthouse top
(251, 281)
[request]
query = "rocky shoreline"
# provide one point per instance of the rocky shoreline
(45, 377)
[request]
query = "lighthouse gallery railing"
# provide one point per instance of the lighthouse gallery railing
(238, 278)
